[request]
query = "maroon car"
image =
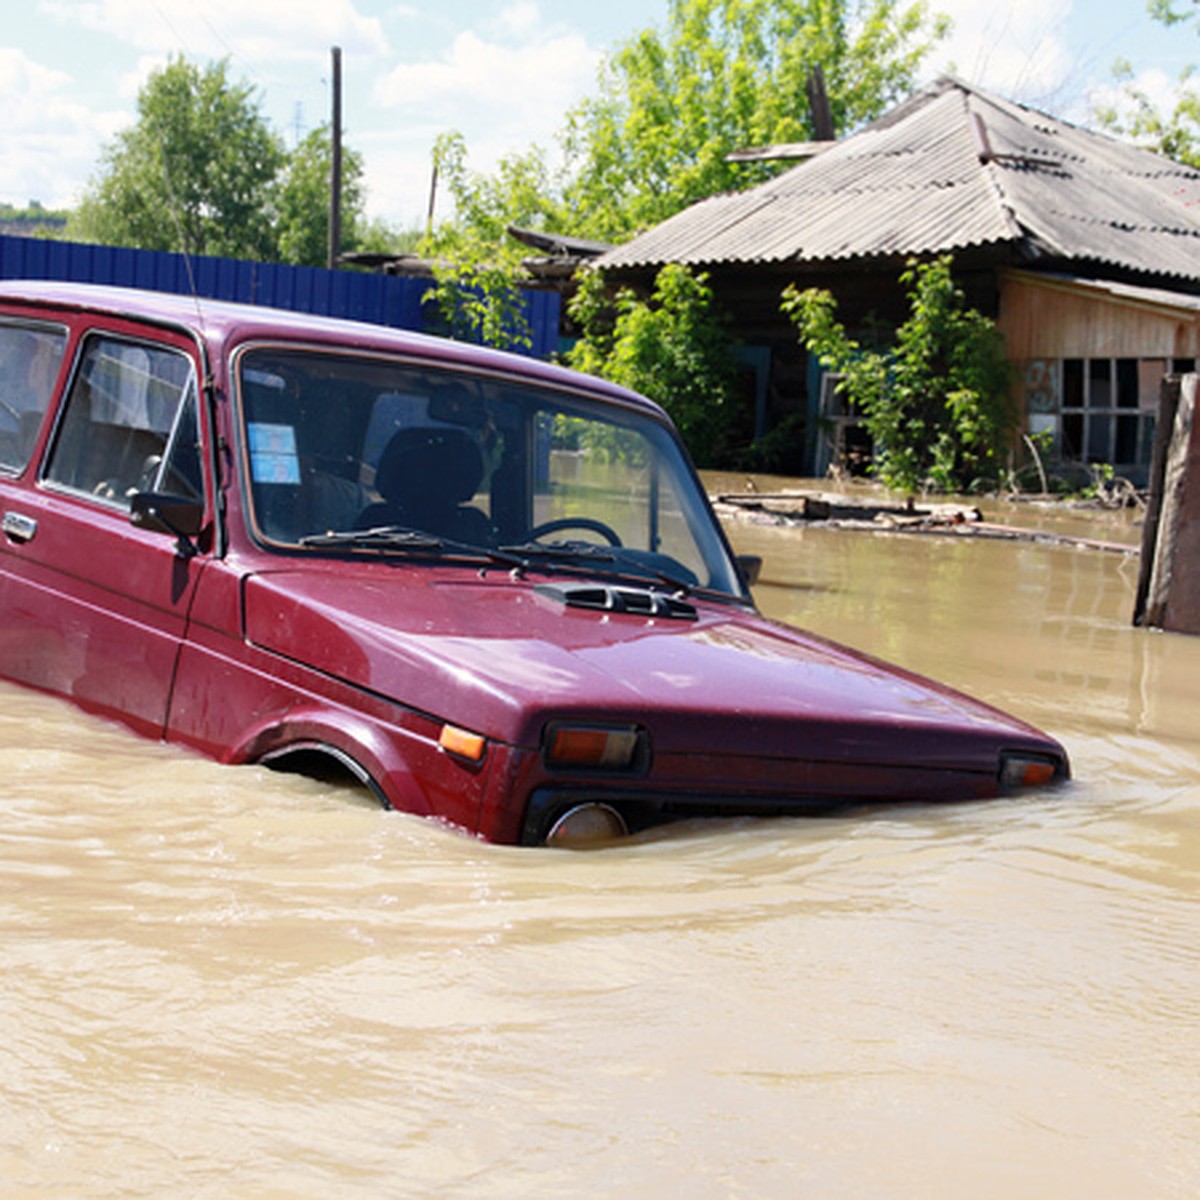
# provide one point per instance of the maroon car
(490, 590)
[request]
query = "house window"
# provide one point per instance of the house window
(843, 441)
(1108, 409)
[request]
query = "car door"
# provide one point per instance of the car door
(95, 608)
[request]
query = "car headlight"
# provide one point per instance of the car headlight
(590, 823)
(567, 746)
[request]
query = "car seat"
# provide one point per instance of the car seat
(426, 475)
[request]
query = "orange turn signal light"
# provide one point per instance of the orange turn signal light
(1021, 771)
(462, 742)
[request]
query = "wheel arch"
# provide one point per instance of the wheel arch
(320, 760)
(316, 743)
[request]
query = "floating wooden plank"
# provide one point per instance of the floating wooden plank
(836, 511)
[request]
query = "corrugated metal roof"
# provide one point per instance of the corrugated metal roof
(950, 168)
(1159, 298)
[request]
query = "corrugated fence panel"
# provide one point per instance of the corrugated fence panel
(389, 300)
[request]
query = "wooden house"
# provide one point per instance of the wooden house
(1086, 250)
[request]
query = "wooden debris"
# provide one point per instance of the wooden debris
(794, 507)
(836, 511)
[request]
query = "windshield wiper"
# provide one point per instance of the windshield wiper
(677, 583)
(402, 538)
(382, 537)
(623, 564)
(560, 552)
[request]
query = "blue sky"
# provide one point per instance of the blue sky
(503, 72)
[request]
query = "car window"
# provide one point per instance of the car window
(30, 357)
(336, 445)
(615, 474)
(129, 424)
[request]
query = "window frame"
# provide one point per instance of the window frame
(189, 391)
(35, 326)
(1097, 411)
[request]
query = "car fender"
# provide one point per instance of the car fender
(358, 745)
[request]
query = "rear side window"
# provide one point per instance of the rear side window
(29, 360)
(129, 424)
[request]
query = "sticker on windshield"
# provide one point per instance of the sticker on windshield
(273, 456)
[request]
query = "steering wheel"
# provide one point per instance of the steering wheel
(605, 531)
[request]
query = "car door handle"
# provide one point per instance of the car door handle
(18, 527)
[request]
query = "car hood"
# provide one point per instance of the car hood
(500, 657)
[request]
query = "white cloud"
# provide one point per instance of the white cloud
(279, 29)
(520, 20)
(1162, 92)
(25, 84)
(50, 143)
(131, 83)
(398, 174)
(505, 87)
(1016, 48)
(532, 83)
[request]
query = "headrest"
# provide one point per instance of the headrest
(429, 466)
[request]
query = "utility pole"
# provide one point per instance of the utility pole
(433, 186)
(335, 164)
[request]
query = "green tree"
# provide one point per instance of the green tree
(672, 104)
(937, 403)
(522, 191)
(194, 173)
(1166, 12)
(722, 76)
(477, 267)
(672, 347)
(34, 220)
(302, 202)
(480, 302)
(1174, 133)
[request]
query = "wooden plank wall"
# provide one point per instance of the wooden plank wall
(1051, 320)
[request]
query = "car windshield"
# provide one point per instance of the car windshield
(349, 454)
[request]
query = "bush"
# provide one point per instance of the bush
(671, 347)
(937, 403)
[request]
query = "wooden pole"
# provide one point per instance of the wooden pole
(335, 164)
(818, 106)
(433, 186)
(1168, 406)
(1169, 591)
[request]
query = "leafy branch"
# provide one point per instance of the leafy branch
(937, 402)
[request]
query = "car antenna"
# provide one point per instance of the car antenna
(173, 209)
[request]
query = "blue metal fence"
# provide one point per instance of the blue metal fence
(390, 300)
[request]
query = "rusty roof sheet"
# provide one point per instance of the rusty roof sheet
(952, 167)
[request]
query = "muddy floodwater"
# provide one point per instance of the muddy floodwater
(220, 982)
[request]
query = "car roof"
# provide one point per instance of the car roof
(223, 324)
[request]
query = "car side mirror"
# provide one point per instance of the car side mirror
(162, 512)
(750, 565)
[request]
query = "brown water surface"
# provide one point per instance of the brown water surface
(222, 982)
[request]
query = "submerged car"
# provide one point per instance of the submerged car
(490, 590)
